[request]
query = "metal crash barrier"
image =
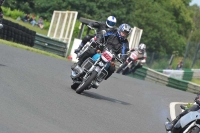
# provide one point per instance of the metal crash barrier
(50, 45)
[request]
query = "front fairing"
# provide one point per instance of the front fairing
(189, 117)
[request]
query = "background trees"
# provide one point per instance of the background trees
(168, 25)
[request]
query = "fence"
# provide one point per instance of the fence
(192, 55)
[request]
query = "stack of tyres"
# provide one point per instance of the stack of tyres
(5, 29)
(17, 33)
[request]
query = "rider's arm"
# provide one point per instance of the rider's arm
(94, 24)
(143, 61)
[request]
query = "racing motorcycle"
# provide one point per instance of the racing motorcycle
(189, 123)
(92, 72)
(130, 63)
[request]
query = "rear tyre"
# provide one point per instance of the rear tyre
(126, 71)
(120, 68)
(84, 85)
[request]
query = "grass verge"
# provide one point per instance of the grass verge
(28, 25)
(17, 45)
(197, 81)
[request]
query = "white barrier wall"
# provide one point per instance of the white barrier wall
(196, 73)
(135, 37)
(178, 74)
(62, 26)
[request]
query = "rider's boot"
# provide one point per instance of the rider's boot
(79, 48)
(170, 125)
(95, 84)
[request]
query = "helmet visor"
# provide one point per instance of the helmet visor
(124, 34)
(110, 23)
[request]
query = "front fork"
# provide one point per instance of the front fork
(128, 65)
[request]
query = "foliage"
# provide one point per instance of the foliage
(13, 14)
(189, 105)
(16, 13)
(166, 25)
(29, 26)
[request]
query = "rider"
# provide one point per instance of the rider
(142, 55)
(114, 42)
(108, 25)
(169, 125)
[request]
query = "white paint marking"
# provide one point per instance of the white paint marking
(172, 109)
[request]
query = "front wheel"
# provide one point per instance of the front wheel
(194, 130)
(121, 67)
(85, 84)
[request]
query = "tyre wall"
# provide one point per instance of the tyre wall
(17, 33)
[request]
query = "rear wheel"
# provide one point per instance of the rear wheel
(126, 71)
(194, 130)
(84, 85)
(121, 67)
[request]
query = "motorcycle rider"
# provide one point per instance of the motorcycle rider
(114, 42)
(142, 55)
(142, 52)
(170, 125)
(108, 25)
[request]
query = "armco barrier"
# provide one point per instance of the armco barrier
(178, 84)
(140, 73)
(157, 77)
(50, 45)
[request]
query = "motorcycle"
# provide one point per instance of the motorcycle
(189, 123)
(131, 62)
(92, 71)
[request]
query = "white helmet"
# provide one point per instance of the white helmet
(111, 21)
(141, 48)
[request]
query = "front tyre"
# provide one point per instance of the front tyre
(194, 130)
(84, 85)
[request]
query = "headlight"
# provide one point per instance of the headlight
(101, 64)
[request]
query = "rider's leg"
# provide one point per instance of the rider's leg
(170, 125)
(84, 41)
(111, 70)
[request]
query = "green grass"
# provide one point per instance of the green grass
(197, 81)
(29, 26)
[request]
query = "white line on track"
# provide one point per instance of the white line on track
(172, 109)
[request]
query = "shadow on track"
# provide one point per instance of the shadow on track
(2, 65)
(97, 96)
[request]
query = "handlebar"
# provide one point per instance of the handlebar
(183, 107)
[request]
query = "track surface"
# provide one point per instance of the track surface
(35, 97)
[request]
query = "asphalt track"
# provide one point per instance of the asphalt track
(35, 97)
